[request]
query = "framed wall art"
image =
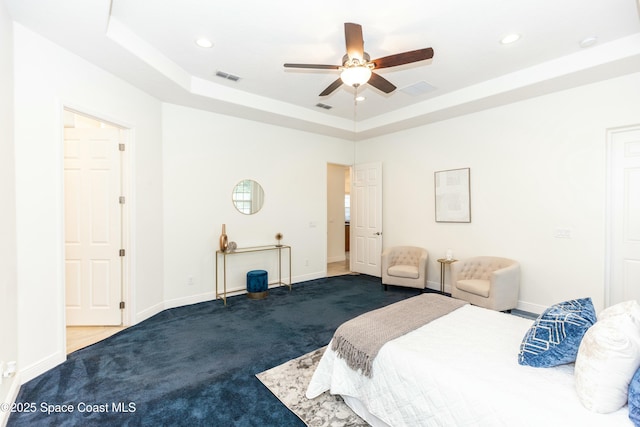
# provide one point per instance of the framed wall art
(453, 197)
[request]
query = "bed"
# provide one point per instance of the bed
(460, 369)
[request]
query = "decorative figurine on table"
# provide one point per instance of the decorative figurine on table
(279, 238)
(224, 240)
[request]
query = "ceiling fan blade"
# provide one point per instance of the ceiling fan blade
(315, 66)
(381, 83)
(403, 58)
(354, 40)
(333, 86)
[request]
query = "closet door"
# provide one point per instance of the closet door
(93, 234)
(624, 215)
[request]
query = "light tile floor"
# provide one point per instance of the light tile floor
(338, 268)
(83, 336)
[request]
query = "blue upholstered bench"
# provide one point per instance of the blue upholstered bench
(257, 284)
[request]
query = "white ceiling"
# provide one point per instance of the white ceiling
(151, 44)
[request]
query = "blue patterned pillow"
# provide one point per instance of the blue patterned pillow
(555, 336)
(634, 399)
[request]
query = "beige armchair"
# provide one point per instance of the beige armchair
(486, 281)
(404, 266)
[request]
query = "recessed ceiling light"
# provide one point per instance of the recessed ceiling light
(588, 41)
(510, 38)
(360, 98)
(203, 42)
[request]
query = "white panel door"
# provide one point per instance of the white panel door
(624, 214)
(92, 187)
(366, 219)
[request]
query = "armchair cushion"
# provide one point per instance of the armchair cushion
(475, 286)
(409, 271)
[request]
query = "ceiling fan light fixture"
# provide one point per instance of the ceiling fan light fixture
(357, 66)
(355, 76)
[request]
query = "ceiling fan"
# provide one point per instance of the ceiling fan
(357, 67)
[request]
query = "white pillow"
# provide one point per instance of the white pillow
(608, 357)
(630, 307)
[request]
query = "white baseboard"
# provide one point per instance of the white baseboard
(191, 299)
(147, 313)
(337, 258)
(531, 308)
(42, 366)
(310, 276)
(10, 398)
(173, 303)
(436, 286)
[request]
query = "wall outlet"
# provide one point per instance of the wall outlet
(190, 281)
(10, 369)
(306, 263)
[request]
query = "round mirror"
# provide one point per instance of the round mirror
(247, 197)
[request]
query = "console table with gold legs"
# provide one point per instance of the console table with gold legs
(239, 251)
(443, 263)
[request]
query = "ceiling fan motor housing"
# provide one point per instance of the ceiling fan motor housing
(356, 62)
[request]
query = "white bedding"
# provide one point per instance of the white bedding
(462, 370)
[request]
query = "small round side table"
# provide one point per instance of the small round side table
(443, 263)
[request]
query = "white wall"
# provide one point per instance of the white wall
(536, 165)
(46, 79)
(205, 155)
(8, 270)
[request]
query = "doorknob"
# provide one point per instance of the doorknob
(377, 234)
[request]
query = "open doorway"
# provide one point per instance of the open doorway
(94, 228)
(338, 219)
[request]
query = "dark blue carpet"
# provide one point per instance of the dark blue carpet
(196, 365)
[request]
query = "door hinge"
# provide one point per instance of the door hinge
(121, 147)
(121, 305)
(121, 252)
(121, 200)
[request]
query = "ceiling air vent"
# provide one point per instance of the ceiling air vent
(418, 89)
(227, 76)
(325, 106)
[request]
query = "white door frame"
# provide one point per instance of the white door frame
(331, 236)
(127, 135)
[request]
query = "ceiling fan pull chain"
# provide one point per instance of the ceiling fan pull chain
(355, 107)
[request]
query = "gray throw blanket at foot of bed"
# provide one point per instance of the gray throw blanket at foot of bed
(358, 340)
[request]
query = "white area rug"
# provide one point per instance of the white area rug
(289, 381)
